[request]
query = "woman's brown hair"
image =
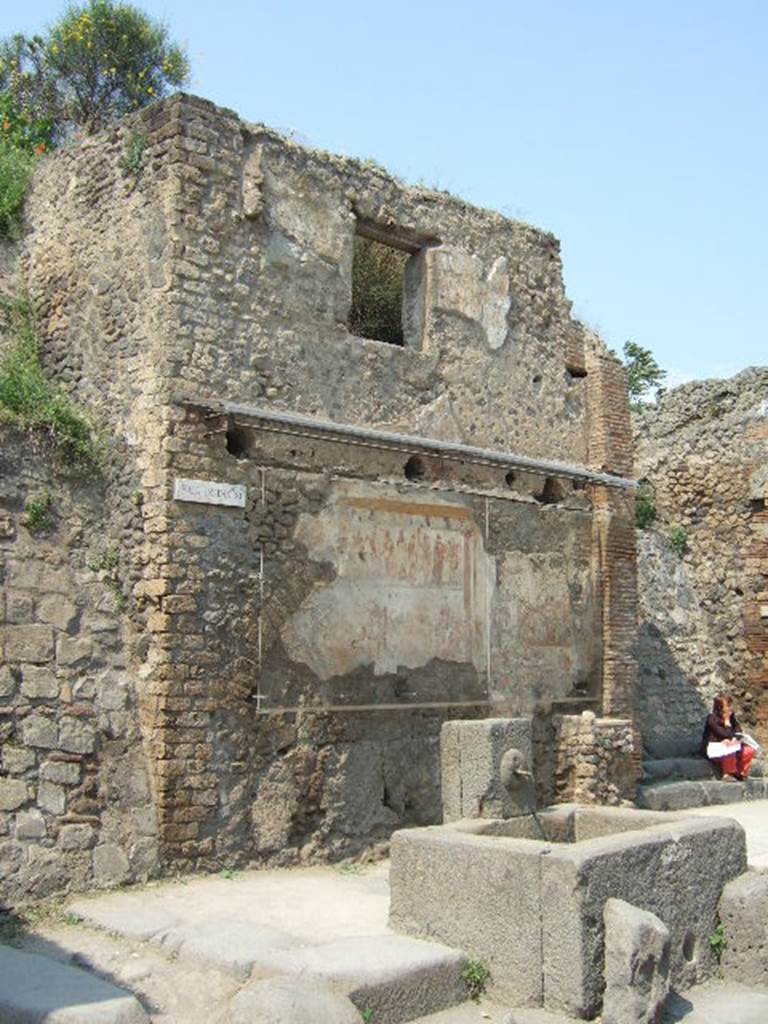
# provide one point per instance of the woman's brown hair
(719, 705)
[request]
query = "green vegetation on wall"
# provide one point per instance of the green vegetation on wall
(678, 541)
(645, 509)
(27, 397)
(23, 140)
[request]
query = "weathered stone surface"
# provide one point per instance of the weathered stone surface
(13, 793)
(66, 773)
(145, 922)
(708, 1004)
(77, 735)
(7, 681)
(57, 611)
(71, 651)
(393, 976)
(744, 917)
(51, 797)
(543, 940)
(439, 583)
(39, 683)
(649, 871)
(76, 837)
(17, 760)
(30, 825)
(28, 643)
(637, 962)
(284, 1000)
(701, 449)
(19, 607)
(471, 758)
(36, 988)
(454, 888)
(230, 945)
(529, 1015)
(110, 864)
(37, 731)
(112, 692)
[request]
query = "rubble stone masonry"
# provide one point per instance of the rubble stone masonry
(702, 454)
(284, 660)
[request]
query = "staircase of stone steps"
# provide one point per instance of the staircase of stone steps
(677, 783)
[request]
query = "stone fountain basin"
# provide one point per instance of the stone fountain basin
(532, 908)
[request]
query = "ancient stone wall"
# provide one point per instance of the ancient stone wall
(274, 641)
(703, 611)
(386, 605)
(75, 803)
(224, 269)
(594, 762)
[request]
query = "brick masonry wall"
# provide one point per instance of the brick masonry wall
(703, 454)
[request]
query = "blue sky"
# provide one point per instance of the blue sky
(634, 131)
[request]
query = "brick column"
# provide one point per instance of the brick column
(614, 549)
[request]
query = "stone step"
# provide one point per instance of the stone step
(390, 978)
(469, 1012)
(717, 1001)
(36, 988)
(683, 768)
(657, 769)
(677, 796)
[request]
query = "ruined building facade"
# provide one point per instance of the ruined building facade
(309, 549)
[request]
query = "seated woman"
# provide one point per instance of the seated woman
(722, 727)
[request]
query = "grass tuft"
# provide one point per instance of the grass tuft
(30, 400)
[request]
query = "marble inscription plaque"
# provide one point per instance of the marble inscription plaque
(209, 492)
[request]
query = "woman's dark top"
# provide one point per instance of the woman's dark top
(715, 731)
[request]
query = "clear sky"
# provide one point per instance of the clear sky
(634, 130)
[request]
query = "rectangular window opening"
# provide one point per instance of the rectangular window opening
(387, 287)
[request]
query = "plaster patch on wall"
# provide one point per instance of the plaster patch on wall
(438, 419)
(496, 303)
(462, 286)
(412, 584)
(543, 609)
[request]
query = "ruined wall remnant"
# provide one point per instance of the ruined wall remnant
(341, 542)
(701, 458)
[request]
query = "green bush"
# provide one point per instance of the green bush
(101, 60)
(28, 398)
(678, 541)
(645, 510)
(15, 171)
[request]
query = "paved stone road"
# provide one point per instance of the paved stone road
(314, 904)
